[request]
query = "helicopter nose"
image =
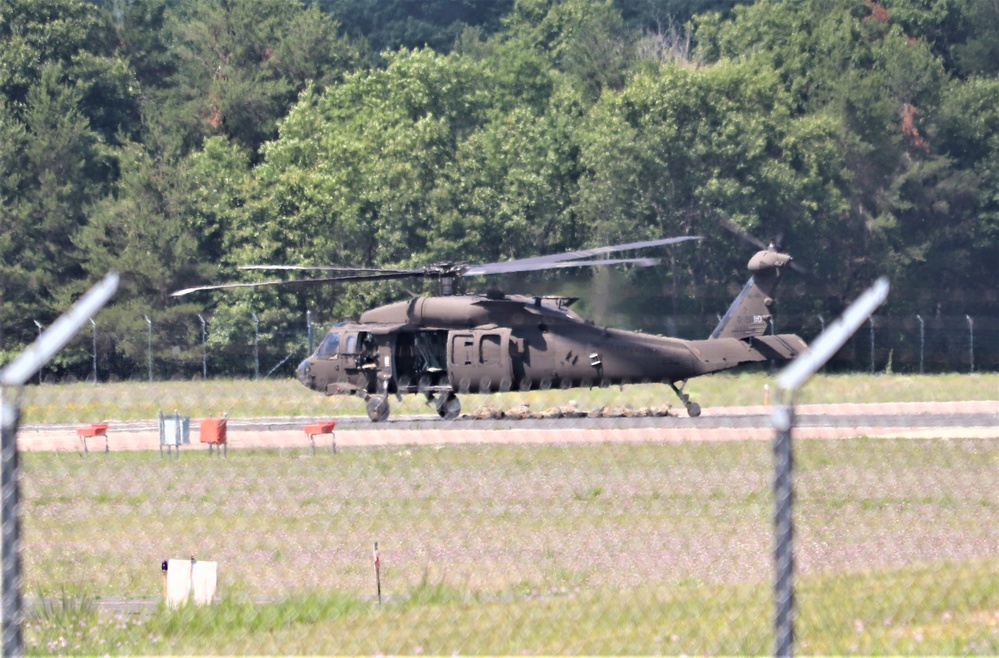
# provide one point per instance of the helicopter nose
(304, 373)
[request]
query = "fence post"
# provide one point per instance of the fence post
(14, 376)
(971, 342)
(871, 321)
(256, 346)
(94, 326)
(10, 533)
(789, 380)
(149, 346)
(308, 328)
(204, 348)
(39, 325)
(922, 341)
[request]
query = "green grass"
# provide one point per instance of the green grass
(607, 548)
(837, 616)
(245, 398)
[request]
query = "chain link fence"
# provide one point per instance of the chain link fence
(582, 521)
(198, 348)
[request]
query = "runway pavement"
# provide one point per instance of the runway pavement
(978, 419)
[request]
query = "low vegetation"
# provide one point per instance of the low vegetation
(606, 548)
(249, 398)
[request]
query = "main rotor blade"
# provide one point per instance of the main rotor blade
(316, 268)
(756, 242)
(740, 233)
(520, 266)
(529, 264)
(376, 276)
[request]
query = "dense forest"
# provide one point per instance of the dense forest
(175, 140)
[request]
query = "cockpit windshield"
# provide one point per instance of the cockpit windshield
(330, 346)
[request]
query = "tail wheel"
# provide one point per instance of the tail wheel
(378, 408)
(693, 410)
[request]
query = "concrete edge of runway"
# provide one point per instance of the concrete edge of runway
(67, 441)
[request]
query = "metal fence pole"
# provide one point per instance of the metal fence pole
(39, 325)
(790, 379)
(149, 346)
(922, 341)
(12, 377)
(971, 342)
(204, 348)
(783, 420)
(256, 346)
(871, 321)
(94, 326)
(308, 328)
(10, 532)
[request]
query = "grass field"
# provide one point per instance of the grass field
(600, 548)
(246, 398)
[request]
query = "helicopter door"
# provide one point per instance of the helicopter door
(359, 355)
(478, 361)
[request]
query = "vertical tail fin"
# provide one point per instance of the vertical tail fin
(751, 312)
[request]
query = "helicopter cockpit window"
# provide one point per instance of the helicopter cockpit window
(351, 344)
(330, 345)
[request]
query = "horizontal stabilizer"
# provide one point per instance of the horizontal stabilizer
(717, 354)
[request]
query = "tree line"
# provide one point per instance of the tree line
(174, 140)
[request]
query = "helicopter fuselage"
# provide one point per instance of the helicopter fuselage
(442, 346)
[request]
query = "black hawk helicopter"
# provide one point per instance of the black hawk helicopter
(444, 345)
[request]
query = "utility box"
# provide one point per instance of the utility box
(213, 430)
(190, 580)
(175, 431)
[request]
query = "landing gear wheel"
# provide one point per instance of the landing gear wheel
(693, 409)
(450, 407)
(378, 408)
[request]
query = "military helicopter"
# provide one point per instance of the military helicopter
(441, 346)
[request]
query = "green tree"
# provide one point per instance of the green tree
(80, 39)
(149, 230)
(585, 40)
(240, 64)
(856, 63)
(393, 24)
(66, 100)
(680, 148)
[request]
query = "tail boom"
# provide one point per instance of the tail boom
(717, 354)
